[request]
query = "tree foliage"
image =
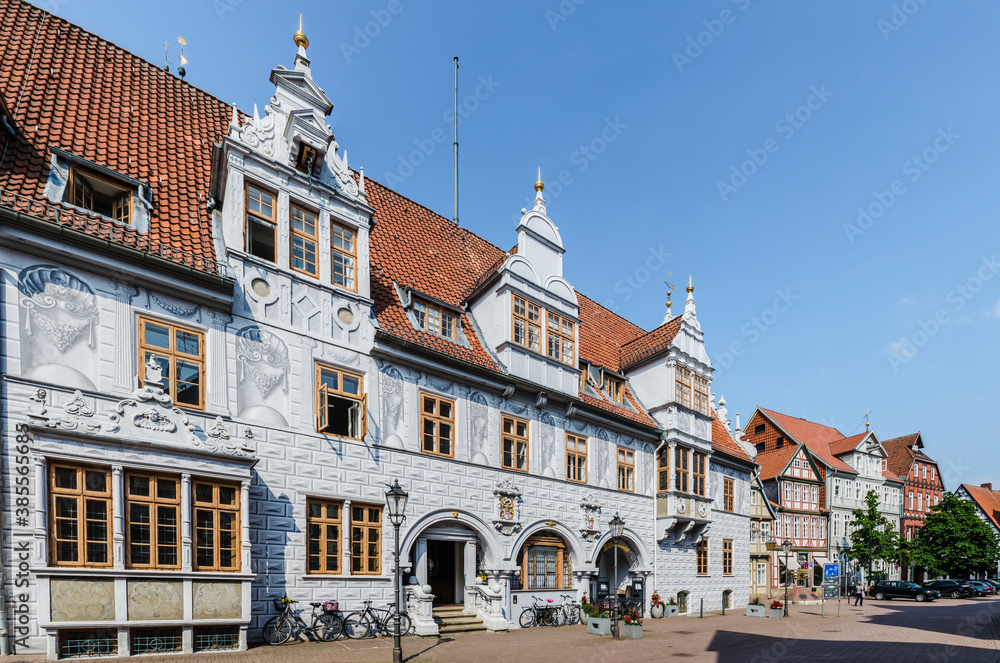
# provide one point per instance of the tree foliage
(954, 541)
(874, 540)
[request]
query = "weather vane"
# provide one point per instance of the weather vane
(166, 56)
(181, 70)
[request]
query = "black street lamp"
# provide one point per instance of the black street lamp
(395, 504)
(787, 548)
(617, 526)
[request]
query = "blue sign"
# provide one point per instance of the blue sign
(831, 570)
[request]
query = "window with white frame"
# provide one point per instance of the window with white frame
(836, 487)
(815, 494)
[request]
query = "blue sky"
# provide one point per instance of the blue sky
(827, 172)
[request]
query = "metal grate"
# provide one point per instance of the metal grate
(156, 640)
(216, 638)
(94, 642)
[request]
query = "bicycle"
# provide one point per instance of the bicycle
(538, 614)
(327, 625)
(570, 610)
(375, 621)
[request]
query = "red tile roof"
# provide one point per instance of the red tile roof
(891, 476)
(902, 455)
(70, 89)
(603, 333)
(773, 463)
(724, 442)
(846, 445)
(987, 499)
(648, 345)
(816, 437)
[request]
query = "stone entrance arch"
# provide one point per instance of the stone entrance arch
(633, 564)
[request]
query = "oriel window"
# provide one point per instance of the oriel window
(80, 515)
(216, 510)
(527, 323)
(152, 508)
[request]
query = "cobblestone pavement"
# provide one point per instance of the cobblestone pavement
(945, 631)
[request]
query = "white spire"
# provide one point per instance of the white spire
(539, 199)
(689, 304)
(723, 412)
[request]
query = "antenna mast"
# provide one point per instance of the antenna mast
(456, 140)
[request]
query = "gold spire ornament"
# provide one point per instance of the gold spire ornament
(300, 37)
(539, 185)
(690, 287)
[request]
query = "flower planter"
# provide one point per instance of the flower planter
(632, 631)
(599, 625)
(756, 610)
(656, 611)
(775, 613)
(670, 611)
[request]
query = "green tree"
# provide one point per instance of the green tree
(874, 540)
(954, 541)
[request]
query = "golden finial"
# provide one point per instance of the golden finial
(300, 37)
(539, 185)
(690, 287)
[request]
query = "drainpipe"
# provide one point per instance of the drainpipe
(656, 546)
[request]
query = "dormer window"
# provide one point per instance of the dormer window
(306, 159)
(527, 320)
(261, 224)
(100, 195)
(561, 338)
(434, 320)
(304, 241)
(344, 252)
(614, 388)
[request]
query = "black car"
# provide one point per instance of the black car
(893, 589)
(956, 589)
(985, 588)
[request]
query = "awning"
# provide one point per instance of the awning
(793, 563)
(821, 561)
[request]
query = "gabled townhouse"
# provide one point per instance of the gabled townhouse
(922, 490)
(762, 517)
(221, 342)
(987, 503)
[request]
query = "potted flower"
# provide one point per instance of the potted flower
(776, 611)
(598, 622)
(755, 608)
(655, 606)
(670, 609)
(632, 629)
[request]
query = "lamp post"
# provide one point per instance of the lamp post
(617, 525)
(787, 548)
(395, 504)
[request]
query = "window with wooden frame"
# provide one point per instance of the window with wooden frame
(261, 223)
(576, 458)
(366, 540)
(626, 470)
(526, 323)
(434, 319)
(583, 377)
(698, 482)
(323, 528)
(545, 564)
(153, 516)
(681, 469)
(303, 250)
(180, 352)
(702, 557)
(216, 511)
(437, 421)
(663, 471)
(99, 194)
(727, 557)
(341, 404)
(514, 444)
(344, 248)
(759, 429)
(560, 338)
(701, 394)
(728, 486)
(80, 516)
(682, 389)
(614, 388)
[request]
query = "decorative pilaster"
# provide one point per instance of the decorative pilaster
(125, 331)
(245, 524)
(186, 522)
(118, 516)
(41, 547)
(346, 537)
(218, 375)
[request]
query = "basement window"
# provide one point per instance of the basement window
(340, 403)
(100, 195)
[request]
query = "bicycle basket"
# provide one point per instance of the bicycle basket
(279, 604)
(331, 606)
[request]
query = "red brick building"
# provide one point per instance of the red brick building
(922, 490)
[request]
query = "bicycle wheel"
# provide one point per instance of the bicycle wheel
(277, 630)
(574, 615)
(328, 627)
(357, 626)
(527, 619)
(558, 617)
(404, 625)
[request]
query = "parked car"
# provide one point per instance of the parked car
(986, 588)
(956, 589)
(893, 589)
(994, 582)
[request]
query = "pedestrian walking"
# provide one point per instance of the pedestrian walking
(859, 594)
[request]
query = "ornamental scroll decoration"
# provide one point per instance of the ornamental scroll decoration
(507, 509)
(59, 306)
(590, 511)
(263, 357)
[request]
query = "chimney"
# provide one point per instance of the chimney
(987, 486)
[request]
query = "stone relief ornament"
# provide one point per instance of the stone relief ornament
(589, 514)
(174, 309)
(440, 385)
(60, 306)
(603, 445)
(218, 430)
(479, 421)
(393, 398)
(548, 445)
(256, 133)
(507, 509)
(263, 365)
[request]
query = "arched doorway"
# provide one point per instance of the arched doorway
(448, 556)
(626, 582)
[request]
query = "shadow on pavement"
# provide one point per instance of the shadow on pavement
(969, 618)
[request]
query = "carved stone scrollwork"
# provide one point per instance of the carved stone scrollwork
(590, 510)
(507, 509)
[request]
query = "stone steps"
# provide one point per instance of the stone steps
(451, 619)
